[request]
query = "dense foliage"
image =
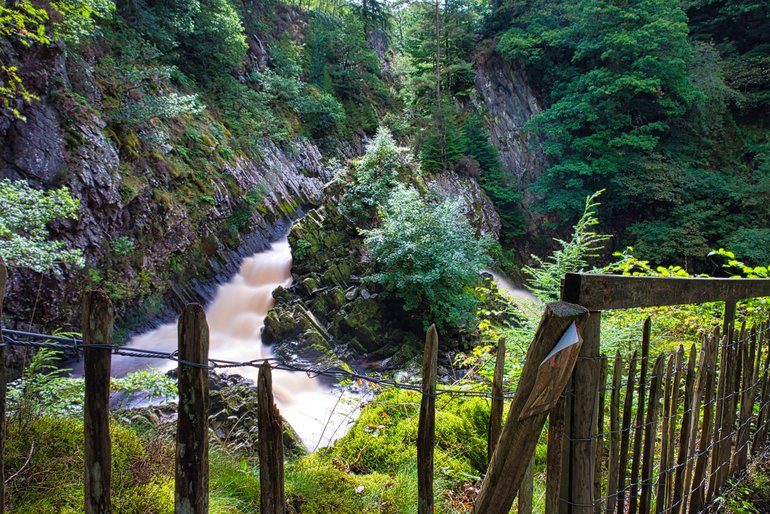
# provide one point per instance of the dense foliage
(427, 256)
(658, 103)
(24, 215)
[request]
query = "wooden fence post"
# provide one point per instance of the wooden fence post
(729, 316)
(668, 420)
(496, 410)
(426, 432)
(192, 441)
(651, 433)
(554, 457)
(271, 492)
(625, 434)
(520, 434)
(3, 276)
(706, 385)
(97, 330)
(612, 472)
(527, 489)
(639, 431)
(679, 491)
(600, 432)
(584, 421)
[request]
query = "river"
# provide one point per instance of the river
(317, 412)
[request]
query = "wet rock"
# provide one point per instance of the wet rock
(281, 295)
(279, 325)
(363, 321)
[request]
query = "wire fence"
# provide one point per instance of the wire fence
(679, 457)
(681, 466)
(76, 345)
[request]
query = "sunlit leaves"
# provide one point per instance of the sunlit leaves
(427, 256)
(24, 215)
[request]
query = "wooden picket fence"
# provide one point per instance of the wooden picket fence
(667, 432)
(666, 440)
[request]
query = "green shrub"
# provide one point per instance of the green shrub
(546, 275)
(427, 256)
(322, 113)
(122, 246)
(375, 175)
(24, 215)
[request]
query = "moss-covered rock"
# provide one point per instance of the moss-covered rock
(363, 321)
(233, 412)
(279, 325)
(337, 274)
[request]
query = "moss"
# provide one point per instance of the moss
(130, 144)
(364, 322)
(52, 480)
(317, 488)
(383, 438)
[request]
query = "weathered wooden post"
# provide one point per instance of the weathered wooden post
(529, 409)
(640, 427)
(97, 330)
(650, 435)
(729, 316)
(527, 489)
(554, 457)
(496, 410)
(706, 385)
(192, 442)
(600, 432)
(271, 492)
(584, 419)
(612, 472)
(426, 432)
(3, 276)
(625, 434)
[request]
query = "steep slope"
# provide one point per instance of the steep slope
(171, 194)
(510, 102)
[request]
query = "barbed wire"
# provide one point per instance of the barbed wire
(630, 490)
(75, 344)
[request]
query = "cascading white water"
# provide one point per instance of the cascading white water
(512, 290)
(235, 318)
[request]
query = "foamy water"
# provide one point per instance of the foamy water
(515, 292)
(235, 318)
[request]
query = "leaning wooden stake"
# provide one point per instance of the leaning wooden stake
(97, 330)
(741, 459)
(625, 434)
(678, 496)
(600, 434)
(2, 390)
(526, 490)
(554, 457)
(271, 497)
(520, 434)
(668, 419)
(706, 382)
(426, 432)
(496, 412)
(192, 442)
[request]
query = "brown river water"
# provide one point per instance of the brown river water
(319, 413)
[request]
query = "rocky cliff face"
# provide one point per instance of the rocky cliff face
(511, 102)
(179, 231)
